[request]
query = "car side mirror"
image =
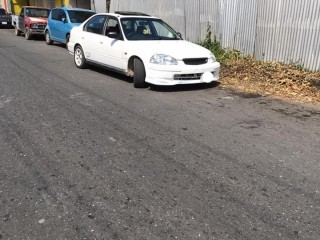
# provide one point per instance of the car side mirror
(114, 35)
(64, 20)
(180, 35)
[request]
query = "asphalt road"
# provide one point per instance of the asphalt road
(84, 155)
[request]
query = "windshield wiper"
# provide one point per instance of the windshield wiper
(174, 38)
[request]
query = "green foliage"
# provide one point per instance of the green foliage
(215, 47)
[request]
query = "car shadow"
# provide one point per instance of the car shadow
(61, 45)
(184, 87)
(34, 37)
(7, 26)
(110, 73)
(155, 88)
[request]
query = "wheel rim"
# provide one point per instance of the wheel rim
(47, 37)
(78, 57)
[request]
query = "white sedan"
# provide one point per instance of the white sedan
(143, 47)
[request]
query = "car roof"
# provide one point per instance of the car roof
(129, 13)
(118, 14)
(76, 9)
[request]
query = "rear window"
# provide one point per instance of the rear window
(2, 11)
(79, 16)
(37, 12)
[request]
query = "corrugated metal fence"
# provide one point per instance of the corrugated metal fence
(281, 30)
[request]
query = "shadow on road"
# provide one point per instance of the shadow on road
(181, 88)
(110, 73)
(176, 88)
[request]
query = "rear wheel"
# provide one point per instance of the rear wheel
(79, 58)
(27, 34)
(139, 78)
(48, 39)
(17, 32)
(213, 84)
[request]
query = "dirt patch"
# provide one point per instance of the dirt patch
(283, 81)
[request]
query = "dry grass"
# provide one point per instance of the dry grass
(271, 78)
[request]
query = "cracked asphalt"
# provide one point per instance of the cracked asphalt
(85, 155)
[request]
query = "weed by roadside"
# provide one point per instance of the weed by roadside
(271, 78)
(210, 42)
(245, 74)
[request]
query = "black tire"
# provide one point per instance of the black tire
(139, 78)
(27, 34)
(67, 40)
(79, 58)
(213, 84)
(17, 32)
(48, 39)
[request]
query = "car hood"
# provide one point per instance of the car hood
(178, 49)
(38, 20)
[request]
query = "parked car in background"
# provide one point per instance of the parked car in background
(143, 47)
(62, 20)
(31, 21)
(5, 18)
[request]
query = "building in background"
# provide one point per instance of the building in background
(14, 6)
(4, 4)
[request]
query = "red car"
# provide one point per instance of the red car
(31, 21)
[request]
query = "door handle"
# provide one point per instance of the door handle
(101, 42)
(82, 37)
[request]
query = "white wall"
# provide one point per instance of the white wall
(100, 6)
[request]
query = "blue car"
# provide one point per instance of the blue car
(62, 20)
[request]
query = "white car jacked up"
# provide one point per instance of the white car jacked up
(143, 47)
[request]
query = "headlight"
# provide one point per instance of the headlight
(163, 59)
(212, 58)
(34, 25)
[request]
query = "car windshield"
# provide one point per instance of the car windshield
(2, 11)
(79, 16)
(136, 29)
(37, 12)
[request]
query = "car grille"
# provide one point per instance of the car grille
(195, 61)
(5, 18)
(186, 77)
(42, 26)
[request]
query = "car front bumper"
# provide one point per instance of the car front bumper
(36, 31)
(182, 74)
(5, 23)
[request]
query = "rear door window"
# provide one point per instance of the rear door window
(95, 24)
(2, 11)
